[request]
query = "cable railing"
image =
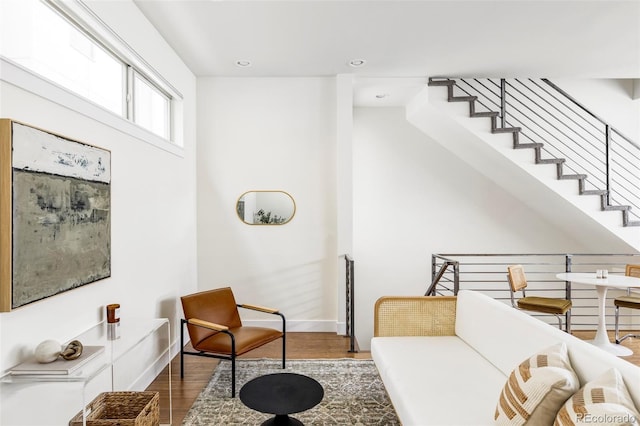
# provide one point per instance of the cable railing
(487, 273)
(548, 115)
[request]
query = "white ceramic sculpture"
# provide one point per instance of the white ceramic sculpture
(48, 351)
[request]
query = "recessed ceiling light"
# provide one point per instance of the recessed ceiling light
(357, 62)
(243, 63)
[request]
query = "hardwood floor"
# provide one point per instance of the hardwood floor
(198, 370)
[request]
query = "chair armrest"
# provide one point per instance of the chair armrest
(415, 316)
(258, 308)
(207, 324)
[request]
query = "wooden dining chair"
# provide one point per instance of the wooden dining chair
(547, 305)
(216, 330)
(629, 301)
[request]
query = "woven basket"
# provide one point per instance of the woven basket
(122, 409)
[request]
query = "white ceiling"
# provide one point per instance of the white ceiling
(403, 42)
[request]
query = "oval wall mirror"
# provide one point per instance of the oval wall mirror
(265, 207)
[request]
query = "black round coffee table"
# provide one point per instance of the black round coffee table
(281, 394)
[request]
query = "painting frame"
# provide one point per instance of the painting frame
(55, 214)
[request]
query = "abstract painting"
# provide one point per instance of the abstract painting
(56, 212)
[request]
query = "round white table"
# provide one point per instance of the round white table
(601, 339)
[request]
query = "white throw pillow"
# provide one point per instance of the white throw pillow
(603, 401)
(536, 389)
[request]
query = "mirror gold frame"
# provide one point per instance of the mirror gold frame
(265, 207)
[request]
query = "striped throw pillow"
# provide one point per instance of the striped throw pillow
(603, 401)
(536, 390)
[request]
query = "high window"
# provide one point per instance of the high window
(44, 39)
(150, 106)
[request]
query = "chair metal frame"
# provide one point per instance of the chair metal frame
(225, 330)
(522, 289)
(630, 270)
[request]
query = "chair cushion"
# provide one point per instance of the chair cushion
(632, 302)
(544, 304)
(537, 388)
(247, 338)
(603, 401)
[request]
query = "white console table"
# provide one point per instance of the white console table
(127, 363)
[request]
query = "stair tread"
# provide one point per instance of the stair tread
(594, 192)
(506, 130)
(607, 208)
(528, 145)
(462, 98)
(485, 114)
(633, 223)
(551, 161)
(575, 176)
(441, 83)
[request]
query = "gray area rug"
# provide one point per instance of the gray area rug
(353, 394)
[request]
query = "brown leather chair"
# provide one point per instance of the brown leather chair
(629, 301)
(547, 305)
(216, 330)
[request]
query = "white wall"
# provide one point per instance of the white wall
(269, 134)
(153, 209)
(413, 198)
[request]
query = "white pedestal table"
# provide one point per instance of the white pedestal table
(602, 285)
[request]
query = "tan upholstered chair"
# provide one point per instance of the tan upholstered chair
(547, 305)
(216, 330)
(629, 301)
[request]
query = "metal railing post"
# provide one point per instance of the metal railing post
(350, 302)
(433, 268)
(607, 147)
(347, 296)
(503, 102)
(568, 259)
(352, 343)
(456, 278)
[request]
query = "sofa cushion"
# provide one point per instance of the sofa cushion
(536, 389)
(437, 380)
(603, 401)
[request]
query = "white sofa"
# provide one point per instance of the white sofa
(445, 360)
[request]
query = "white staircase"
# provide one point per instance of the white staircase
(539, 184)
